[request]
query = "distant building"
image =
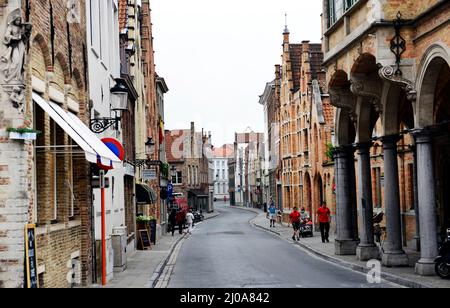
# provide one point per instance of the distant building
(249, 157)
(186, 152)
(220, 160)
(270, 99)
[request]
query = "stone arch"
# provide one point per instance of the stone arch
(40, 41)
(339, 80)
(342, 98)
(319, 192)
(390, 99)
(434, 60)
(345, 128)
(307, 193)
(367, 87)
(65, 68)
(78, 79)
(365, 64)
(316, 142)
(367, 120)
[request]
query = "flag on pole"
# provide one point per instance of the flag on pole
(161, 131)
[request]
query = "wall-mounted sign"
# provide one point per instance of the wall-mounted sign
(32, 281)
(129, 169)
(149, 175)
(116, 147)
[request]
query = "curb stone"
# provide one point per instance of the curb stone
(160, 269)
(386, 276)
(246, 209)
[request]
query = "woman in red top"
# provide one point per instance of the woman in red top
(295, 220)
(324, 219)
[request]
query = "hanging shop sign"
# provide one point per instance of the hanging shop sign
(149, 174)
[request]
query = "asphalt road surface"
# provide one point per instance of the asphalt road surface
(226, 252)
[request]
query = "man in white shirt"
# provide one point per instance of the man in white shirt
(190, 221)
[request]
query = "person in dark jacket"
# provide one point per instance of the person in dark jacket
(181, 217)
(173, 220)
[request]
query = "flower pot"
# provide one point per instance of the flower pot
(142, 225)
(24, 136)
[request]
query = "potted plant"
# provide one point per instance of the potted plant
(147, 223)
(165, 170)
(330, 152)
(22, 133)
(143, 222)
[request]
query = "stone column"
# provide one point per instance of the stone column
(427, 204)
(393, 254)
(345, 242)
(367, 249)
(416, 241)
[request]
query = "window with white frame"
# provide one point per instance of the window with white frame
(95, 22)
(177, 179)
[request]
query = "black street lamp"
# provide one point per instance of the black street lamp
(149, 147)
(119, 102)
(149, 150)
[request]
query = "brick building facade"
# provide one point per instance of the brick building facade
(306, 128)
(187, 152)
(54, 71)
(387, 66)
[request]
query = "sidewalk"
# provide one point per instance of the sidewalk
(145, 267)
(402, 276)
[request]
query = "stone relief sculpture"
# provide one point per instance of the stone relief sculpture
(12, 60)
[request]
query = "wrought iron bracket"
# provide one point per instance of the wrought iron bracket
(398, 43)
(146, 162)
(100, 125)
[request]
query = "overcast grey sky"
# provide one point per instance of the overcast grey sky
(217, 56)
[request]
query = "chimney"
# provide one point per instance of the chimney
(192, 140)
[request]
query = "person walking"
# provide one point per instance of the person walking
(303, 215)
(189, 221)
(173, 220)
(324, 218)
(295, 221)
(180, 220)
(272, 214)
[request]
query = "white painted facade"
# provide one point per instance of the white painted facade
(104, 66)
(240, 183)
(221, 178)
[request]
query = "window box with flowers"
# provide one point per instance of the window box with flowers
(22, 133)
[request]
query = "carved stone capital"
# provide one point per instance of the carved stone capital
(388, 73)
(368, 89)
(343, 98)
